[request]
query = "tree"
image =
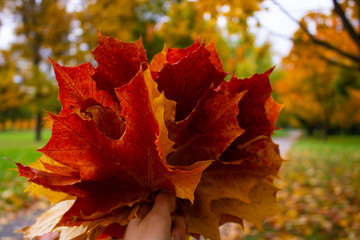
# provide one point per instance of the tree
(316, 93)
(188, 20)
(11, 98)
(345, 19)
(179, 23)
(126, 20)
(42, 30)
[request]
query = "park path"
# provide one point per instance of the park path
(27, 217)
(286, 142)
(10, 222)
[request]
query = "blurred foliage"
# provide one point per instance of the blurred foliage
(42, 30)
(178, 23)
(330, 28)
(12, 98)
(336, 33)
(125, 20)
(318, 94)
(45, 28)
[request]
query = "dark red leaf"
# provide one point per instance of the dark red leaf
(186, 80)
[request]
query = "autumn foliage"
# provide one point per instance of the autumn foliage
(129, 129)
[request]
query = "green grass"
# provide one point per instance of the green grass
(333, 145)
(281, 132)
(320, 198)
(18, 146)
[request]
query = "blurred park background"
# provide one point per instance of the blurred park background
(315, 45)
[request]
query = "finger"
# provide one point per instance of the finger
(133, 223)
(178, 231)
(164, 205)
(167, 199)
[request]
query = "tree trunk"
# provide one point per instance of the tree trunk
(38, 126)
(310, 131)
(326, 128)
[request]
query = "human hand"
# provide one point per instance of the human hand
(160, 223)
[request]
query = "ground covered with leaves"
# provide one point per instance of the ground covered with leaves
(321, 193)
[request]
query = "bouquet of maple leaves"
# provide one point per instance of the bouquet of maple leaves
(129, 129)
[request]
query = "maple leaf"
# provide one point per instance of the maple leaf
(78, 92)
(186, 75)
(128, 130)
(256, 120)
(261, 113)
(118, 62)
(235, 181)
(211, 127)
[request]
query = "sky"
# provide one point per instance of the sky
(6, 31)
(275, 21)
(272, 21)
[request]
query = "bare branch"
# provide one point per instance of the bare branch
(332, 47)
(347, 25)
(339, 64)
(317, 40)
